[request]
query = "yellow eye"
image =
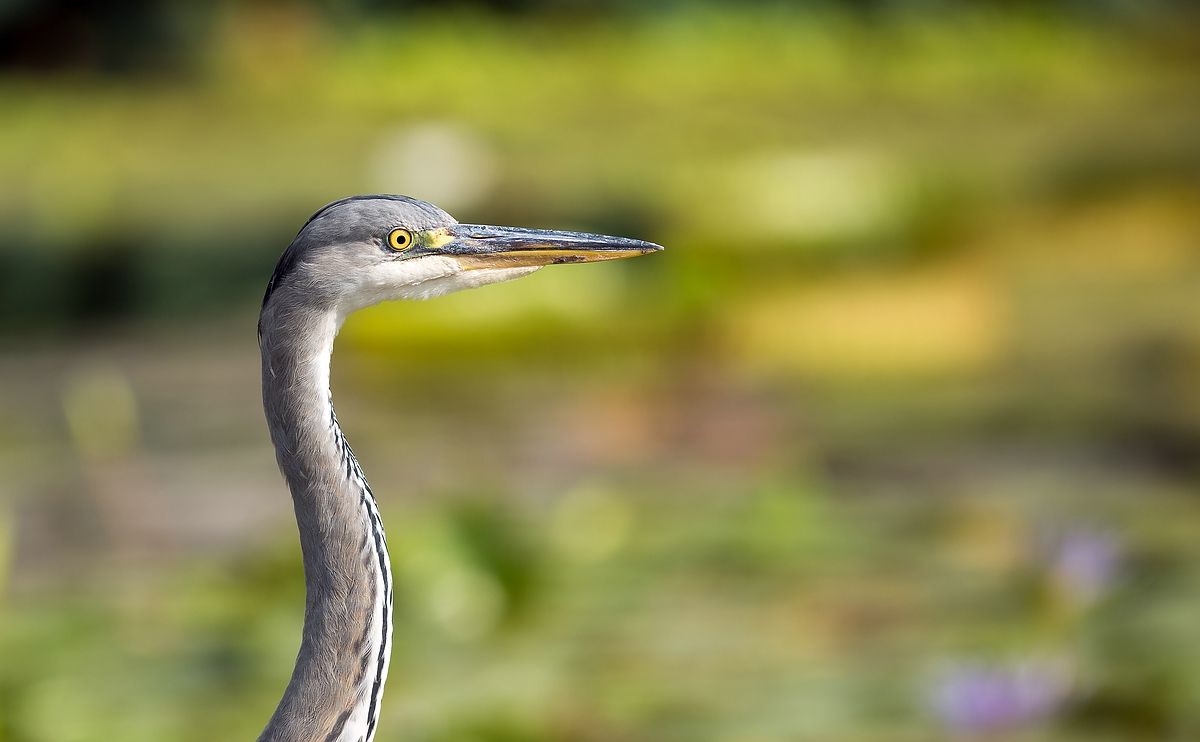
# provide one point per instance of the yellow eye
(400, 239)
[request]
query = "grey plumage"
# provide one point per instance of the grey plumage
(342, 260)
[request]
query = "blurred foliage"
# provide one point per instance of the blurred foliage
(120, 197)
(715, 620)
(908, 409)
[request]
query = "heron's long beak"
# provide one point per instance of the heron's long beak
(479, 246)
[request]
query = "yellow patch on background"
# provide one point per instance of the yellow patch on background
(929, 323)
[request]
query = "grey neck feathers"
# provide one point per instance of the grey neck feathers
(336, 687)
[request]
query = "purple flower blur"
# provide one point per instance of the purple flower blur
(978, 699)
(1084, 563)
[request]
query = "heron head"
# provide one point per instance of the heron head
(360, 251)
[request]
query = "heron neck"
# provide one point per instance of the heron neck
(336, 686)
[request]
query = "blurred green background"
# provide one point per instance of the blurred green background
(898, 440)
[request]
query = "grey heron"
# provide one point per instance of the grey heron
(352, 254)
